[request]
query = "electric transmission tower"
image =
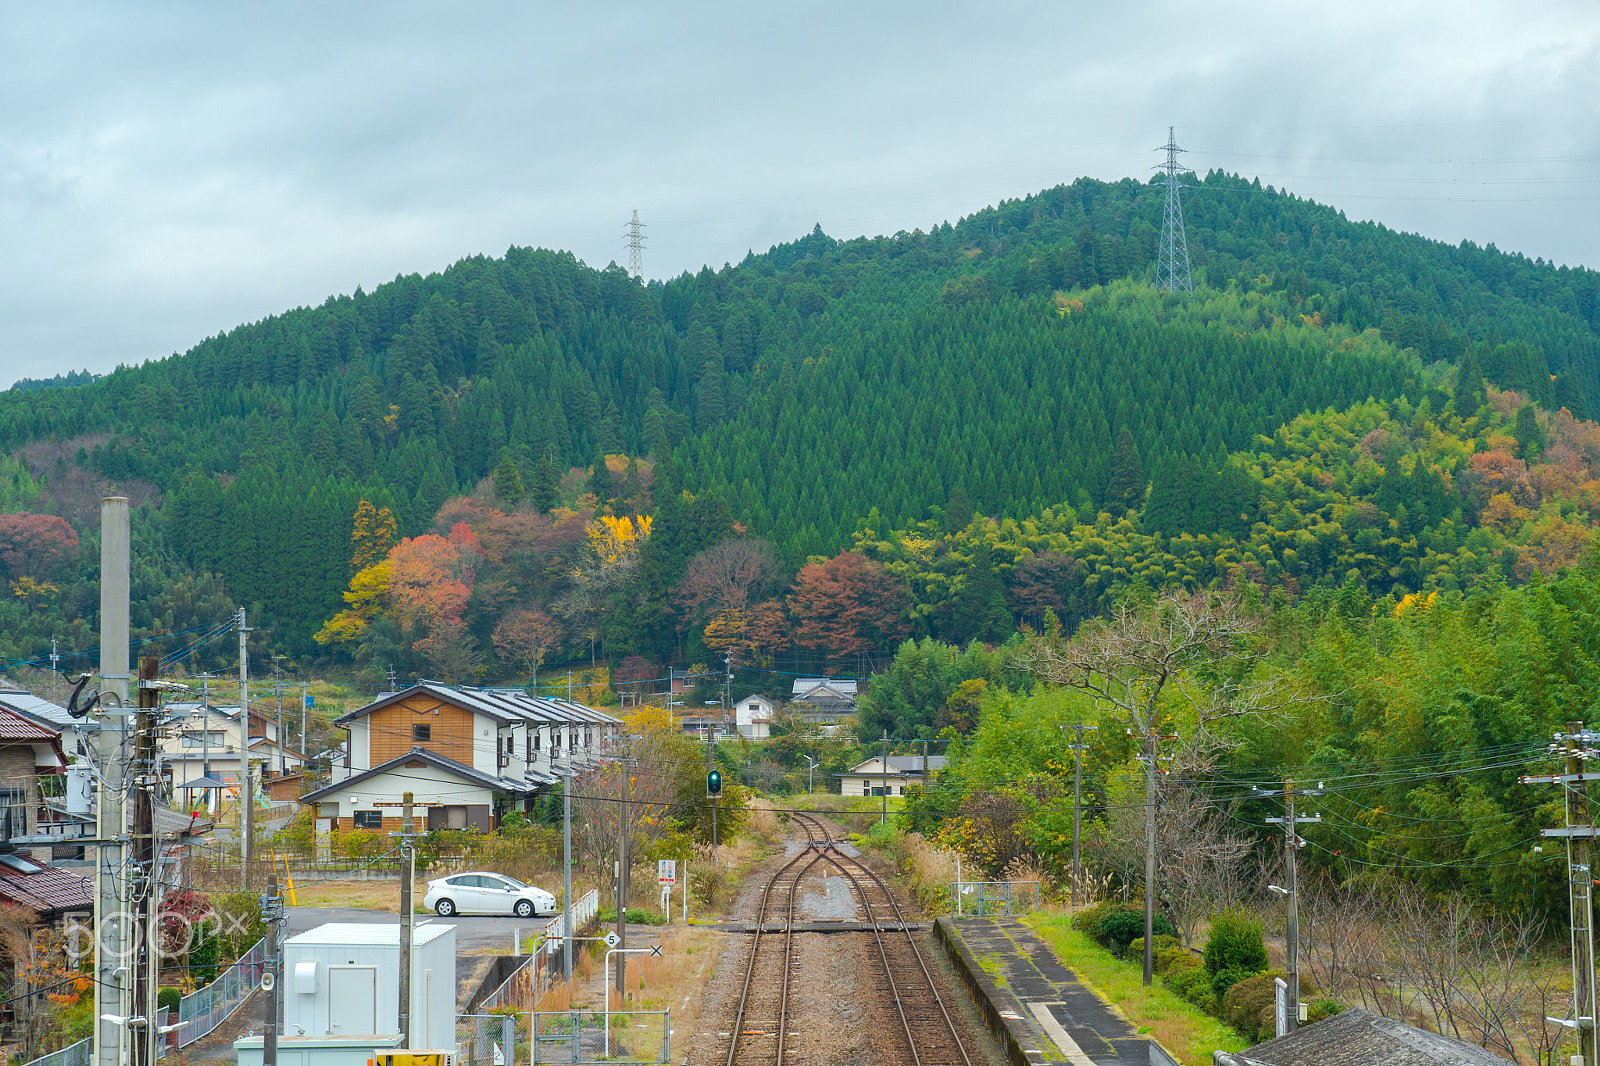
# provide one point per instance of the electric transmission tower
(1172, 266)
(636, 246)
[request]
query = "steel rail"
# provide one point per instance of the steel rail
(755, 946)
(922, 964)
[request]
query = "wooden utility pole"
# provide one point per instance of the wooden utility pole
(1579, 834)
(1077, 811)
(883, 818)
(1149, 854)
(408, 878)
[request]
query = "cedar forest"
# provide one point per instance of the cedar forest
(903, 458)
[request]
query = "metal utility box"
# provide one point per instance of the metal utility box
(343, 980)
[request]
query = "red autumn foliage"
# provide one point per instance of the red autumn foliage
(35, 545)
(848, 605)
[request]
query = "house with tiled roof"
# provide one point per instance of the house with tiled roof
(823, 701)
(77, 734)
(1357, 1037)
(467, 755)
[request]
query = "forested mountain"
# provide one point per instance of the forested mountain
(1007, 364)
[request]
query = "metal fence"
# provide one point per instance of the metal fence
(978, 898)
(79, 1054)
(586, 908)
(203, 1010)
(487, 1039)
(579, 1036)
(518, 990)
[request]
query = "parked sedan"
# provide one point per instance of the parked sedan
(482, 892)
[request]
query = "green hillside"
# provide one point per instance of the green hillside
(990, 365)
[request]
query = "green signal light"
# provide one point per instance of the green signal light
(714, 783)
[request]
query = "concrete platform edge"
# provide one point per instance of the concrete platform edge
(991, 999)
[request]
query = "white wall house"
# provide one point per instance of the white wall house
(753, 715)
(467, 755)
(869, 778)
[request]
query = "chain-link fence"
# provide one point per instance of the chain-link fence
(579, 1036)
(978, 898)
(203, 1010)
(79, 1054)
(488, 1040)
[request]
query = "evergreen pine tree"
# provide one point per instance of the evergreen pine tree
(1470, 392)
(508, 480)
(546, 492)
(600, 480)
(1126, 487)
(1530, 438)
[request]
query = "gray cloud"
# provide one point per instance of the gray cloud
(171, 170)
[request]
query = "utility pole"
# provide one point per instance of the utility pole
(1077, 811)
(1149, 855)
(624, 830)
(1577, 746)
(113, 989)
(277, 685)
(883, 817)
(247, 794)
(145, 886)
(408, 878)
(1291, 864)
(566, 867)
(636, 246)
(303, 746)
(272, 912)
(1172, 261)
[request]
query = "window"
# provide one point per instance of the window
(866, 790)
(422, 732)
(509, 741)
(536, 737)
(370, 819)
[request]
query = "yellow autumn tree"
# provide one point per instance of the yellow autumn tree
(366, 595)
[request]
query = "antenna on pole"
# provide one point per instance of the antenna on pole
(636, 246)
(1172, 264)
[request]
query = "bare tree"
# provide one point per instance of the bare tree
(727, 577)
(1197, 646)
(1201, 851)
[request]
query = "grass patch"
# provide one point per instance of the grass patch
(1185, 1030)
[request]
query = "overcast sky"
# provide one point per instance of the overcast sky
(170, 170)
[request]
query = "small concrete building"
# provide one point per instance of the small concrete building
(343, 979)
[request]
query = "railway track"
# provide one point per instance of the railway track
(762, 1025)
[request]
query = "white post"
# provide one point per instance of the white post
(618, 951)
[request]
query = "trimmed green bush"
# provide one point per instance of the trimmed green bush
(1235, 944)
(1193, 983)
(1170, 957)
(1251, 1006)
(1087, 921)
(169, 997)
(1120, 928)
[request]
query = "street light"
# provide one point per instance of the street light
(809, 770)
(1279, 891)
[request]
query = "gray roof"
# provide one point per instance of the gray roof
(902, 764)
(805, 687)
(504, 706)
(1356, 1037)
(43, 711)
(533, 782)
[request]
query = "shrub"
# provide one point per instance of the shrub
(1170, 957)
(1087, 921)
(1235, 944)
(1223, 980)
(1120, 928)
(205, 961)
(1193, 983)
(169, 997)
(1321, 1008)
(1251, 1007)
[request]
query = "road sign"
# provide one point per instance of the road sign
(667, 871)
(612, 939)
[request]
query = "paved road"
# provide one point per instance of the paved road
(473, 933)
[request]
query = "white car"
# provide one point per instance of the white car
(482, 892)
